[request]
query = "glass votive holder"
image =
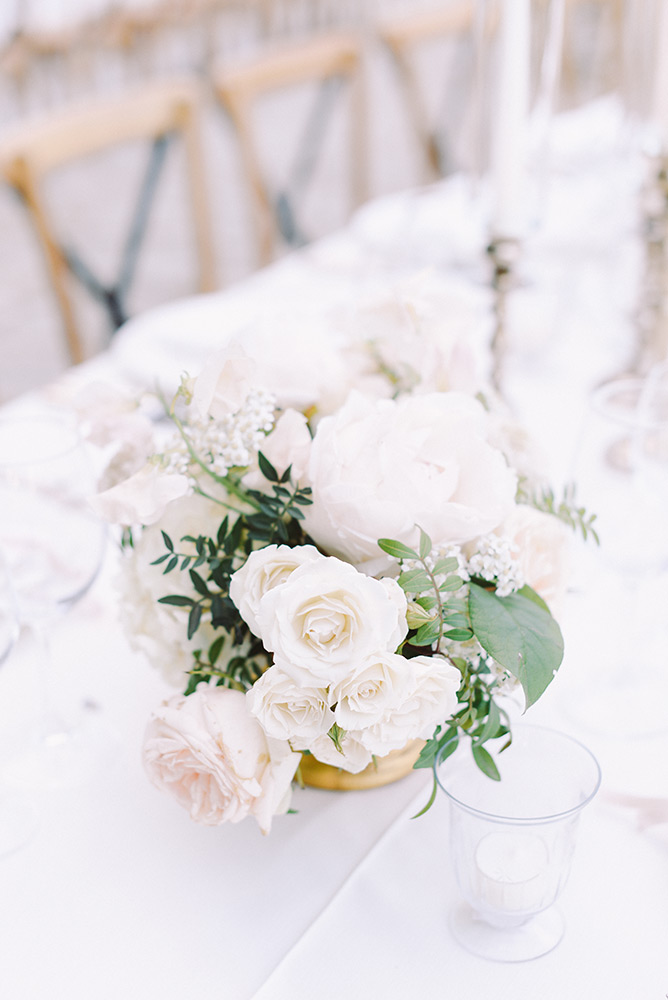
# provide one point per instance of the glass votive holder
(512, 840)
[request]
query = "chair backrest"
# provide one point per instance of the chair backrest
(403, 35)
(31, 150)
(327, 59)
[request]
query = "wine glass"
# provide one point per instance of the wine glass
(18, 815)
(620, 470)
(54, 545)
(511, 841)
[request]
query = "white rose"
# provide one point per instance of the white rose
(430, 699)
(159, 630)
(223, 384)
(289, 444)
(263, 570)
(327, 617)
(289, 711)
(378, 468)
(209, 752)
(371, 691)
(352, 756)
(540, 544)
(141, 499)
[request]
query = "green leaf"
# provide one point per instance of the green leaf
(485, 762)
(215, 649)
(199, 584)
(425, 544)
(417, 616)
(222, 530)
(428, 633)
(432, 799)
(172, 564)
(452, 583)
(177, 600)
(527, 591)
(442, 747)
(491, 726)
(520, 635)
(167, 540)
(445, 565)
(267, 469)
(397, 549)
(459, 634)
(414, 581)
(194, 619)
(160, 559)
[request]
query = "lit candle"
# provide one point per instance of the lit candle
(510, 120)
(660, 87)
(513, 872)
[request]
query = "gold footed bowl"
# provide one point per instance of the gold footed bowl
(382, 771)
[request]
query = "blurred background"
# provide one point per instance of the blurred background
(417, 107)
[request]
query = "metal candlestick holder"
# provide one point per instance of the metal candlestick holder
(504, 253)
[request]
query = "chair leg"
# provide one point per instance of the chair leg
(200, 204)
(56, 265)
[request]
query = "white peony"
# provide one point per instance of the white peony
(141, 499)
(378, 468)
(540, 543)
(287, 710)
(327, 617)
(209, 752)
(263, 570)
(223, 384)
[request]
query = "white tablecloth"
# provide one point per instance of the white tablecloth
(120, 895)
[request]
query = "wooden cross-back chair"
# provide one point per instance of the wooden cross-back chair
(30, 151)
(403, 35)
(328, 60)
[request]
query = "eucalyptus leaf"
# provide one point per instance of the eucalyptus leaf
(520, 635)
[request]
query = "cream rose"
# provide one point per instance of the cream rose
(287, 710)
(430, 698)
(540, 543)
(209, 752)
(326, 617)
(378, 468)
(370, 693)
(263, 570)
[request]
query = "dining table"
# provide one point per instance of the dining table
(118, 895)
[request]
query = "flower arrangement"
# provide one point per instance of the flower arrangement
(335, 585)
